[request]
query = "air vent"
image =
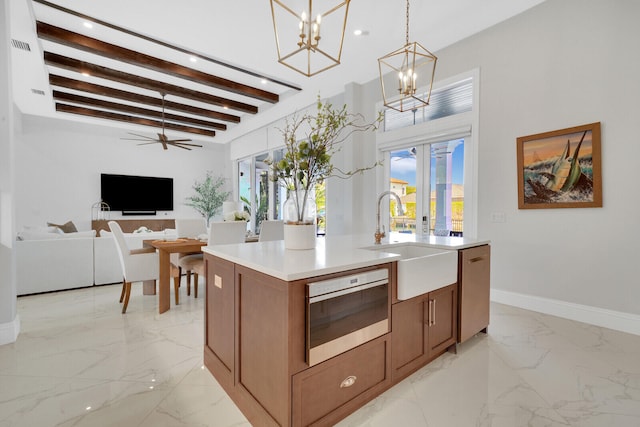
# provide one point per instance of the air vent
(37, 92)
(20, 45)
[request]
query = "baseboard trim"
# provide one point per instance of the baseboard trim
(9, 331)
(620, 321)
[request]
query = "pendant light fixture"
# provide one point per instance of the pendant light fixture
(406, 75)
(309, 40)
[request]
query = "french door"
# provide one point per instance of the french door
(429, 179)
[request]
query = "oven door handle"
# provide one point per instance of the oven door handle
(347, 291)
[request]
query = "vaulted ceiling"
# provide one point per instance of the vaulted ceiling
(111, 62)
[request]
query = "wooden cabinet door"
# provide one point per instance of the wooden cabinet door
(220, 311)
(409, 339)
(442, 319)
(473, 275)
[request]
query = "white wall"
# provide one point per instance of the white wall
(561, 64)
(9, 321)
(58, 167)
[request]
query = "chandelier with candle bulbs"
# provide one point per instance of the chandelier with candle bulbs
(406, 75)
(309, 52)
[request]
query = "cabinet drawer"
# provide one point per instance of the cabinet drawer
(359, 374)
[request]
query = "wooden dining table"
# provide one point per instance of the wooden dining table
(165, 249)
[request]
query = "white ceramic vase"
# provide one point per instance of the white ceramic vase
(299, 236)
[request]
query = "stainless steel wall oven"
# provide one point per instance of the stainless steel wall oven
(344, 312)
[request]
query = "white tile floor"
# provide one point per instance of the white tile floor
(79, 362)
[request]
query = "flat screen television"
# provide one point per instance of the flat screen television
(136, 194)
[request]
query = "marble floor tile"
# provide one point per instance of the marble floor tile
(79, 362)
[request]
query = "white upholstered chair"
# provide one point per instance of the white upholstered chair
(192, 228)
(271, 230)
(138, 265)
(220, 233)
(224, 233)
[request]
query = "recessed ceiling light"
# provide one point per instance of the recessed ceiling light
(225, 107)
(263, 81)
(87, 24)
(84, 73)
(360, 32)
(193, 59)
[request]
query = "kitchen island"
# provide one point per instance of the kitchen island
(288, 361)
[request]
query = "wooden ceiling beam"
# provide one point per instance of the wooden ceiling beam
(97, 47)
(96, 89)
(124, 108)
(89, 112)
(60, 61)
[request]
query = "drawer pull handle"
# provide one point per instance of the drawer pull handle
(476, 259)
(348, 382)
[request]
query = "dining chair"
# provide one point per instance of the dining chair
(271, 230)
(138, 265)
(220, 233)
(192, 228)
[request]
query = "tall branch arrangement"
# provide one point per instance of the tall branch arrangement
(209, 196)
(307, 158)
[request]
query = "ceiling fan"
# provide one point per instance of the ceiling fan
(162, 138)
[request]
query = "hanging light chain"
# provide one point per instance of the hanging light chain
(407, 34)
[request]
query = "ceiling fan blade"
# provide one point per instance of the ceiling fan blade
(180, 146)
(178, 140)
(147, 143)
(137, 139)
(182, 143)
(141, 136)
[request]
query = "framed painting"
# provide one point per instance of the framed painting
(560, 169)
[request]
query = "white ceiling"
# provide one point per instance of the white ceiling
(241, 33)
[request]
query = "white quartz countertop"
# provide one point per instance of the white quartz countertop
(332, 254)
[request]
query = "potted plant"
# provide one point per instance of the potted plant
(310, 142)
(209, 196)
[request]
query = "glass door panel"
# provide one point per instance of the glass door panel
(261, 201)
(446, 190)
(403, 174)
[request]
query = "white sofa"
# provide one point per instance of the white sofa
(53, 262)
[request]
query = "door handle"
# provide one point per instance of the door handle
(476, 259)
(434, 312)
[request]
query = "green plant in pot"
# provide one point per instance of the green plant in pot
(209, 196)
(310, 142)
